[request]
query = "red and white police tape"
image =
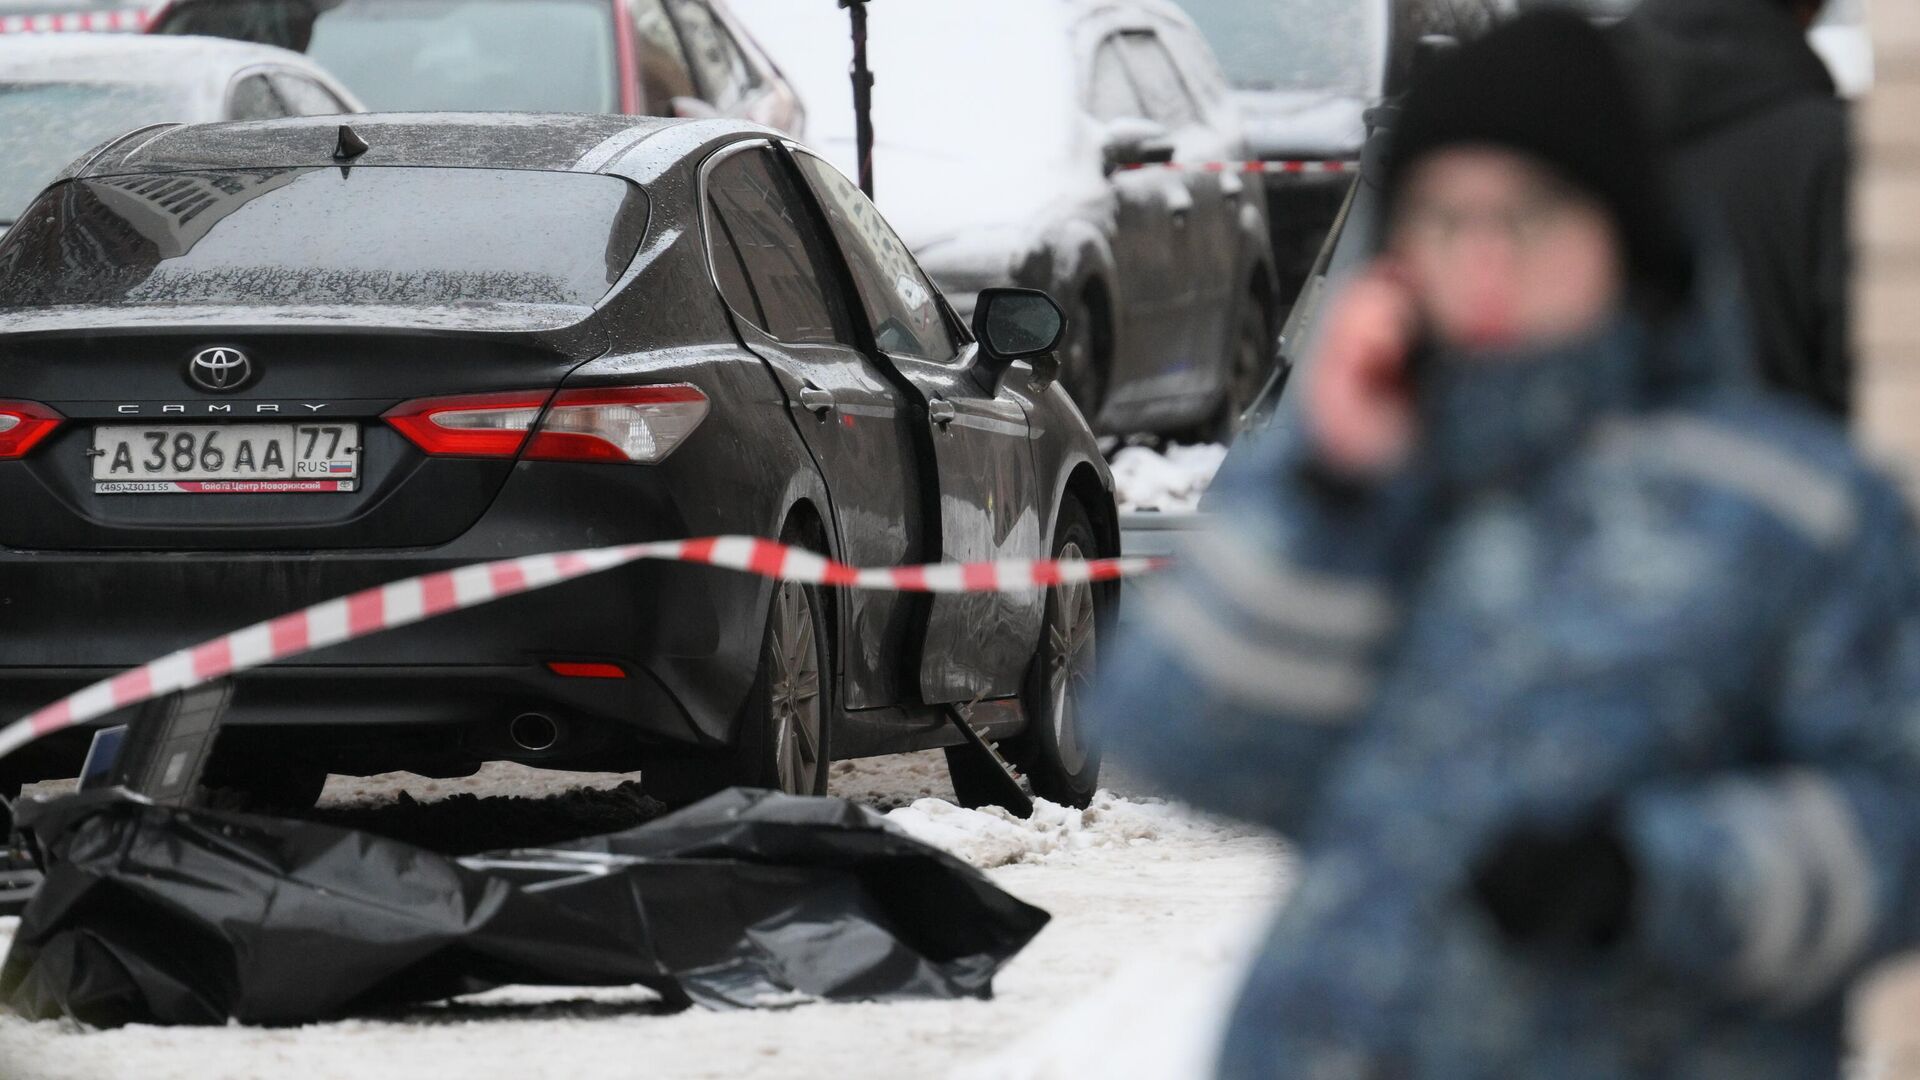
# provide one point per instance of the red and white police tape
(1290, 168)
(403, 603)
(123, 19)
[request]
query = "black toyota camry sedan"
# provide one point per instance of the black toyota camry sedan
(248, 367)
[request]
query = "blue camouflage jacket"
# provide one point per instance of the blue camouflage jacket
(1619, 583)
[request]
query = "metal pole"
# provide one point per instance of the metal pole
(862, 93)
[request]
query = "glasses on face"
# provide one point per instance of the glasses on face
(1528, 224)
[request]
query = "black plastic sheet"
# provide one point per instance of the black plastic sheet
(153, 914)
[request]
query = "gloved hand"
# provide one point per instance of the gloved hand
(1571, 889)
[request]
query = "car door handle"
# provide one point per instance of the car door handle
(815, 400)
(942, 412)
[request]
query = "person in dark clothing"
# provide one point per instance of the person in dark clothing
(1583, 674)
(1758, 142)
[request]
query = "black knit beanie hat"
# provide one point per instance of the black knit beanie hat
(1550, 86)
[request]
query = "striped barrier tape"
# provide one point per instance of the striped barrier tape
(1291, 168)
(122, 20)
(404, 603)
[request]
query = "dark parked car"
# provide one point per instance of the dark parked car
(1351, 241)
(63, 94)
(684, 58)
(239, 375)
(1304, 72)
(1053, 174)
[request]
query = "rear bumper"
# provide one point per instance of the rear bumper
(435, 720)
(688, 637)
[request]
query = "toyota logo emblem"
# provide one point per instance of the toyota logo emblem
(220, 370)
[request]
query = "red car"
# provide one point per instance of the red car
(686, 58)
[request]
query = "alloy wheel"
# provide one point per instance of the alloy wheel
(794, 687)
(1072, 653)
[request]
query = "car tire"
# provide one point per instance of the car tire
(786, 733)
(765, 743)
(1085, 360)
(1249, 363)
(1058, 751)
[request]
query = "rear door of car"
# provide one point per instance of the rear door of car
(977, 645)
(773, 264)
(1205, 244)
(1154, 304)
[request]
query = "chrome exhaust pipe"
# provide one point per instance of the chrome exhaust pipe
(534, 732)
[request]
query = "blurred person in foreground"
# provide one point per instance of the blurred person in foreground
(1759, 142)
(1584, 674)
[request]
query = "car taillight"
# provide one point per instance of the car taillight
(476, 425)
(629, 424)
(639, 424)
(23, 425)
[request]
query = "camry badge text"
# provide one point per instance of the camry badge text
(220, 370)
(207, 408)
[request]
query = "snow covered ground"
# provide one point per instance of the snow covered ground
(1153, 909)
(1168, 480)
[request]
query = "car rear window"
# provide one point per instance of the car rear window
(1316, 46)
(324, 236)
(428, 55)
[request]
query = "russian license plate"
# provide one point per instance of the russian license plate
(225, 459)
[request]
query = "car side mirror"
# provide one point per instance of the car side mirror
(1136, 142)
(1019, 324)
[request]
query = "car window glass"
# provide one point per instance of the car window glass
(1318, 46)
(305, 97)
(253, 99)
(1111, 95)
(900, 301)
(1196, 62)
(783, 258)
(324, 236)
(430, 55)
(723, 72)
(1159, 81)
(730, 270)
(664, 73)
